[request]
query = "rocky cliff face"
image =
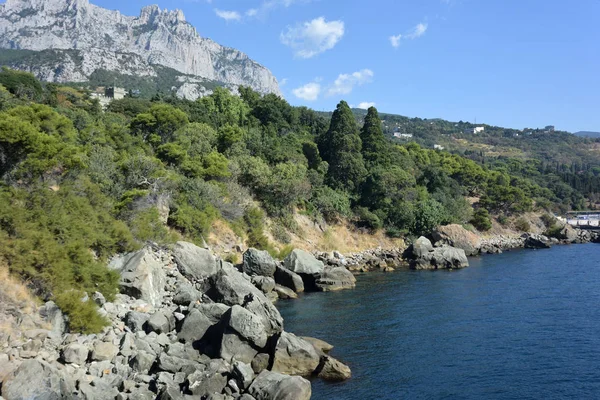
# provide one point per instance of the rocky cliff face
(85, 38)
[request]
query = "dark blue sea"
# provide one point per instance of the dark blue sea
(520, 325)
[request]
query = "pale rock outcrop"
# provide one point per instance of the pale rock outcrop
(142, 275)
(456, 236)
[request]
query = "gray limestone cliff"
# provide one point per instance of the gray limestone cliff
(83, 38)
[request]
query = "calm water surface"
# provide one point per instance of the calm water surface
(520, 325)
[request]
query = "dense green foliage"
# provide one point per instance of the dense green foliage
(79, 184)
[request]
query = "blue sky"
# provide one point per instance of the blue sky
(513, 63)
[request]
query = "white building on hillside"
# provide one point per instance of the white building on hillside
(476, 130)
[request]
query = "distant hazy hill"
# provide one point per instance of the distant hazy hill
(588, 134)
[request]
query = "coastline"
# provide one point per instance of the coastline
(190, 324)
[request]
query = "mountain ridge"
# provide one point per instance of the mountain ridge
(86, 38)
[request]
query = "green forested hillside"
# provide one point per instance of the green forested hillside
(79, 184)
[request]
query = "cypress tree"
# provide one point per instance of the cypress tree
(341, 147)
(373, 141)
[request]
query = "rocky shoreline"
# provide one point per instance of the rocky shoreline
(188, 325)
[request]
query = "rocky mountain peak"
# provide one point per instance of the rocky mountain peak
(108, 40)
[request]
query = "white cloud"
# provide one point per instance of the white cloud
(395, 40)
(365, 105)
(283, 82)
(228, 15)
(313, 37)
(308, 92)
(414, 33)
(346, 82)
(251, 12)
(417, 31)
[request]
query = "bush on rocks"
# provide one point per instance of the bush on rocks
(82, 315)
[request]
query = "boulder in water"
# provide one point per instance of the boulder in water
(294, 356)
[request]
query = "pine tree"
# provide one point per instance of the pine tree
(341, 147)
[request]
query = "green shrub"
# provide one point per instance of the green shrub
(83, 315)
(146, 226)
(255, 228)
(192, 221)
(332, 204)
(481, 220)
(555, 232)
(396, 233)
(429, 215)
(503, 220)
(548, 220)
(233, 258)
(280, 233)
(522, 225)
(367, 219)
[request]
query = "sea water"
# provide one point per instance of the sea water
(519, 325)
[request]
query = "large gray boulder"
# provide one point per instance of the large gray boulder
(231, 288)
(247, 325)
(259, 262)
(142, 276)
(75, 353)
(235, 348)
(104, 351)
(337, 278)
(294, 356)
(37, 380)
(243, 374)
(53, 315)
(194, 327)
(289, 279)
(274, 386)
(303, 263)
(333, 370)
(160, 322)
(194, 263)
(422, 247)
(205, 383)
(447, 257)
(186, 294)
(265, 284)
(136, 321)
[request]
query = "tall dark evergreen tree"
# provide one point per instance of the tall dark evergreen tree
(373, 142)
(341, 147)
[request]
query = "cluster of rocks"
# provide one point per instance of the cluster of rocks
(424, 255)
(186, 326)
(472, 244)
(318, 273)
(379, 259)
